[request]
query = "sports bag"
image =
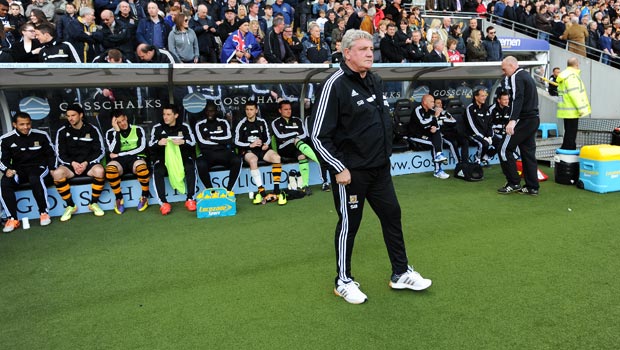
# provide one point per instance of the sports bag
(468, 171)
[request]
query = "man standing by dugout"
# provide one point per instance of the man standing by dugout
(352, 133)
(520, 130)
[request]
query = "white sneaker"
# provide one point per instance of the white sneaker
(440, 158)
(440, 174)
(350, 292)
(410, 280)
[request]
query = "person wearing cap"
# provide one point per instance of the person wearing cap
(79, 151)
(126, 145)
(228, 25)
(26, 156)
(241, 45)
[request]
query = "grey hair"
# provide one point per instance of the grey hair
(86, 11)
(351, 36)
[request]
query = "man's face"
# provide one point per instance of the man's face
(288, 32)
(556, 72)
(122, 122)
(253, 10)
(74, 118)
(492, 33)
(89, 18)
(3, 10)
(428, 102)
(107, 18)
(170, 118)
(438, 103)
(269, 12)
(359, 56)
(285, 111)
(508, 68)
(23, 125)
(145, 56)
(229, 16)
(211, 112)
(250, 111)
(245, 27)
(43, 38)
(152, 9)
(202, 12)
(391, 31)
(124, 8)
(504, 100)
(481, 98)
(416, 36)
(473, 24)
(14, 10)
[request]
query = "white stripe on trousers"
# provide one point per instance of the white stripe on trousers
(343, 235)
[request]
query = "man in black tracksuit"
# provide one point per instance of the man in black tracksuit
(26, 155)
(500, 116)
(351, 131)
(171, 129)
(479, 127)
(215, 140)
(520, 130)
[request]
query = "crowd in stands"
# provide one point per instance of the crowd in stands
(287, 31)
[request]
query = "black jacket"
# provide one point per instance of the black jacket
(524, 96)
(246, 132)
(478, 121)
(351, 126)
(391, 51)
(213, 134)
(421, 122)
(286, 132)
(20, 152)
(162, 131)
(57, 52)
(83, 145)
(272, 49)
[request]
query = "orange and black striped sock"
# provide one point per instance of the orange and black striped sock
(276, 171)
(97, 187)
(64, 190)
(142, 171)
(113, 176)
(261, 190)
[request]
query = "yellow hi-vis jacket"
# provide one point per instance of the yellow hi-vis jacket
(573, 98)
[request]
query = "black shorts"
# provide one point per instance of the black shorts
(127, 162)
(88, 167)
(257, 151)
(289, 151)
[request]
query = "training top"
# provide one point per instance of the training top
(421, 122)
(128, 142)
(524, 96)
(286, 132)
(478, 121)
(163, 131)
(351, 125)
(247, 132)
(213, 135)
(20, 152)
(79, 145)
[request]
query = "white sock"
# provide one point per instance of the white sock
(256, 177)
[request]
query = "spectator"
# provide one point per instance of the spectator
(80, 35)
(379, 15)
(418, 48)
(230, 5)
(475, 49)
(337, 56)
(170, 19)
(277, 50)
(510, 12)
(37, 17)
(285, 9)
(615, 46)
(258, 33)
(268, 16)
(455, 33)
(16, 19)
(391, 50)
(293, 42)
(63, 21)
(253, 15)
(27, 49)
(394, 11)
(242, 11)
(498, 11)
(205, 28)
(367, 23)
(125, 13)
(114, 34)
(437, 53)
(315, 49)
(329, 26)
(403, 35)
(376, 40)
(576, 35)
(170, 132)
(153, 30)
(228, 25)
(481, 9)
(182, 41)
(492, 45)
(46, 6)
(240, 45)
(473, 25)
(317, 7)
(338, 32)
(605, 45)
(416, 22)
(100, 5)
(544, 22)
(528, 19)
(150, 54)
(435, 27)
(558, 28)
(453, 54)
(592, 41)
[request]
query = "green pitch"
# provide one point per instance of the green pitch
(509, 272)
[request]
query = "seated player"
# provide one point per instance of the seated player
(27, 157)
(424, 128)
(478, 123)
(500, 116)
(214, 138)
(253, 139)
(173, 131)
(291, 135)
(127, 152)
(453, 132)
(79, 149)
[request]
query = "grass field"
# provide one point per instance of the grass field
(509, 272)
